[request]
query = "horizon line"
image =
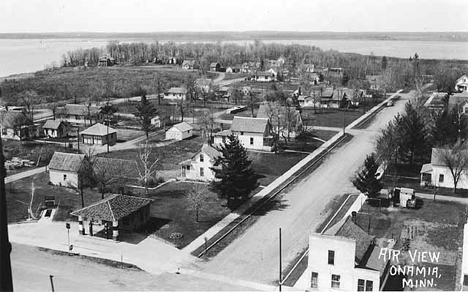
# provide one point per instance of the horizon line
(224, 31)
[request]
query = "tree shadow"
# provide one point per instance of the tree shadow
(277, 204)
(153, 225)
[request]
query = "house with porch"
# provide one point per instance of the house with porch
(345, 258)
(116, 213)
(99, 134)
(176, 93)
(79, 114)
(253, 133)
(461, 84)
(64, 169)
(16, 125)
(55, 128)
(179, 132)
(438, 174)
(199, 166)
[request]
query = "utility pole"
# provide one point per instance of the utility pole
(6, 281)
(280, 283)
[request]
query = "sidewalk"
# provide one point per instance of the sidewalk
(27, 173)
(442, 198)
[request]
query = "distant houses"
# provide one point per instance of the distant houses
(188, 64)
(176, 93)
(79, 114)
(199, 166)
(16, 125)
(179, 132)
(99, 134)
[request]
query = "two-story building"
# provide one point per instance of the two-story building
(462, 84)
(199, 166)
(253, 133)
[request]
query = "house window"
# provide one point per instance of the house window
(360, 285)
(314, 280)
(201, 158)
(465, 280)
(369, 285)
(251, 140)
(441, 178)
(331, 257)
(202, 171)
(364, 285)
(64, 177)
(335, 281)
(242, 133)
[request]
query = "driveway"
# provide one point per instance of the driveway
(253, 256)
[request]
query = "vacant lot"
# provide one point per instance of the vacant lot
(170, 212)
(330, 118)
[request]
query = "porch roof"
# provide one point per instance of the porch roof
(426, 168)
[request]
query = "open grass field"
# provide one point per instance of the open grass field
(170, 212)
(330, 118)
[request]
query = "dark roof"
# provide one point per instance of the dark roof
(372, 261)
(52, 124)
(113, 208)
(113, 167)
(252, 125)
(78, 110)
(214, 64)
(264, 74)
(327, 92)
(66, 161)
(353, 231)
(178, 90)
(98, 130)
(11, 119)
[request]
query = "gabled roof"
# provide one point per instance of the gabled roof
(98, 130)
(188, 62)
(224, 133)
(212, 152)
(262, 73)
(183, 127)
(353, 231)
(327, 92)
(214, 64)
(252, 125)
(66, 161)
(178, 90)
(456, 99)
(462, 77)
(426, 168)
(52, 124)
(113, 208)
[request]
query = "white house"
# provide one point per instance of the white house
(55, 128)
(462, 83)
(199, 166)
(156, 121)
(253, 133)
(99, 134)
(178, 93)
(79, 114)
(188, 65)
(346, 260)
(16, 125)
(438, 174)
(264, 77)
(63, 169)
(179, 131)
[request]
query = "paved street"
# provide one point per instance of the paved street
(254, 255)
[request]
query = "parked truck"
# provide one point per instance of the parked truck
(404, 197)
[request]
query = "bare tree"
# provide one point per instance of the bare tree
(197, 200)
(104, 174)
(85, 175)
(456, 160)
(207, 124)
(146, 168)
(30, 99)
(158, 85)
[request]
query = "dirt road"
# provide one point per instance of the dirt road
(254, 255)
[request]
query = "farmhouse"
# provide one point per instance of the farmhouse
(179, 131)
(99, 134)
(16, 125)
(215, 67)
(199, 166)
(438, 174)
(64, 169)
(55, 129)
(253, 133)
(345, 258)
(79, 114)
(462, 84)
(116, 212)
(177, 93)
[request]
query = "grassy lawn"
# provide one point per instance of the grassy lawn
(436, 227)
(19, 196)
(124, 135)
(330, 118)
(170, 213)
(323, 134)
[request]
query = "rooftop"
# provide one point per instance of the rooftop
(178, 90)
(251, 125)
(66, 161)
(353, 231)
(182, 127)
(52, 124)
(113, 208)
(98, 130)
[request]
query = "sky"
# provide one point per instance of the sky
(233, 15)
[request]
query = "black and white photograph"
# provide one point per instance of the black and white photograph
(233, 145)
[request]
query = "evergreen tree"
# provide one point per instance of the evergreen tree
(236, 177)
(413, 137)
(145, 112)
(447, 127)
(384, 63)
(366, 180)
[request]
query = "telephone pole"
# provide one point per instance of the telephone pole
(6, 281)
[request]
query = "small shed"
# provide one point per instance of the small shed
(116, 211)
(99, 134)
(179, 131)
(64, 167)
(55, 128)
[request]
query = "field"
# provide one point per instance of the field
(330, 118)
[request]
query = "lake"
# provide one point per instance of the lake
(29, 55)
